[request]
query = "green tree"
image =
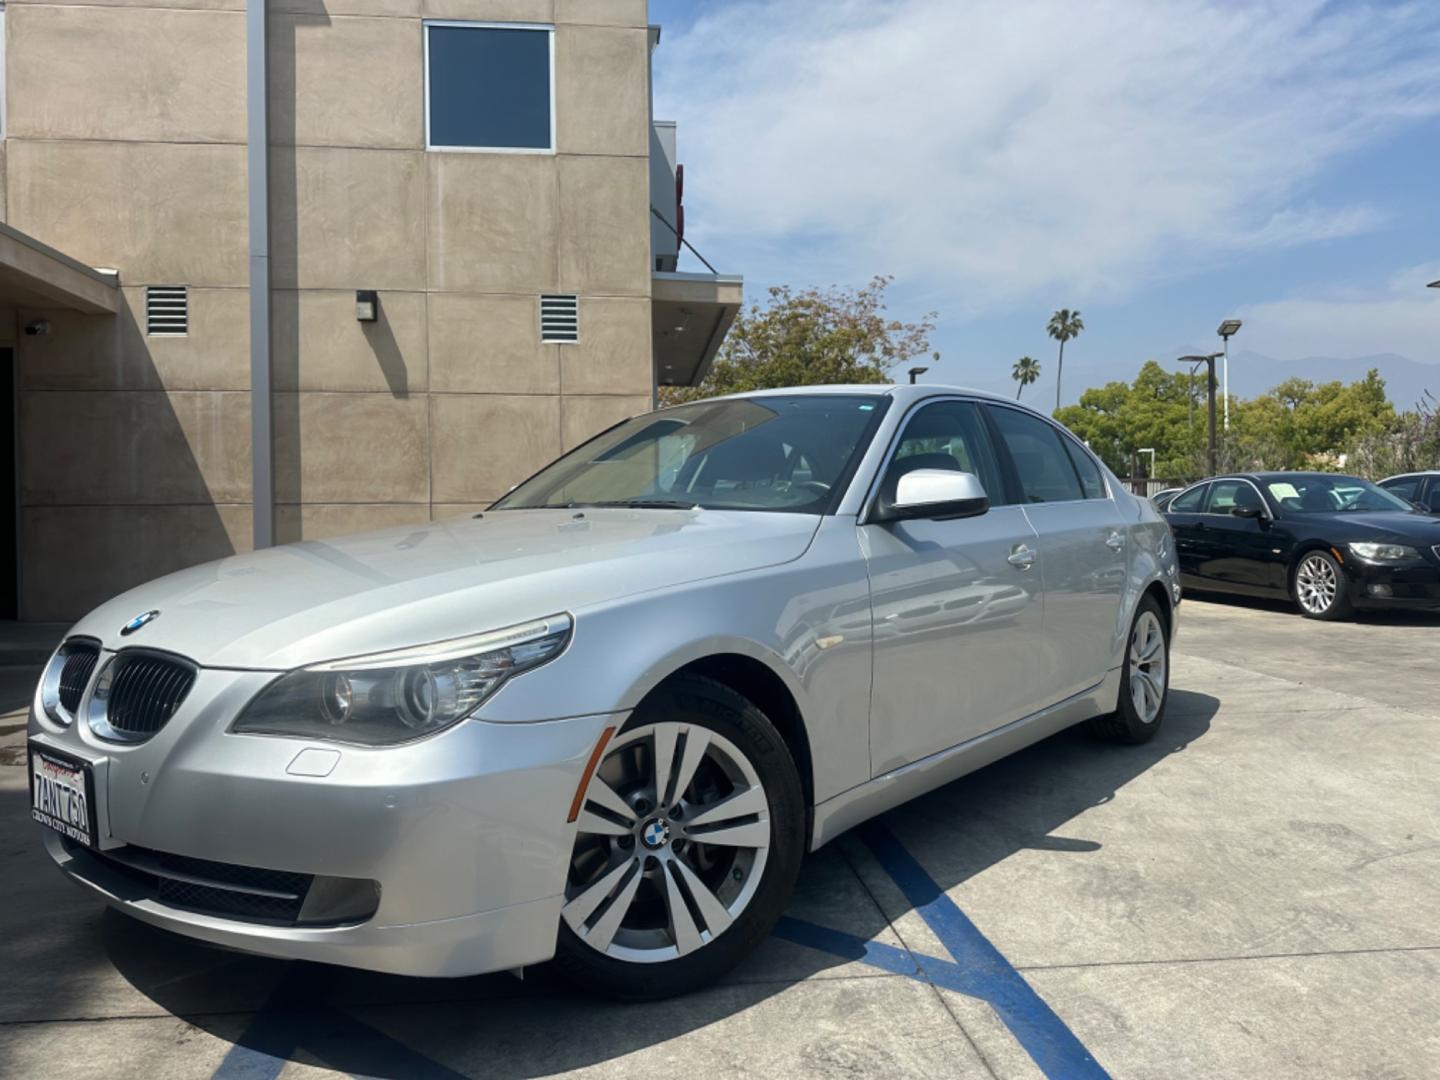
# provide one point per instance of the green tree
(1298, 424)
(1064, 325)
(809, 337)
(1025, 372)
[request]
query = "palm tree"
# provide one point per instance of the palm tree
(1025, 372)
(1064, 325)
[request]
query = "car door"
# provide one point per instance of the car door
(956, 605)
(1183, 515)
(1239, 551)
(1082, 549)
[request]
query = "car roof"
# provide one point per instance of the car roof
(902, 392)
(1413, 472)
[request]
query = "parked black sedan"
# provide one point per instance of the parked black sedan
(1330, 543)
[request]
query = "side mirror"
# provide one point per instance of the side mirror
(937, 493)
(1248, 512)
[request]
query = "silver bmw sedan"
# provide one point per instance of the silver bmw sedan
(601, 722)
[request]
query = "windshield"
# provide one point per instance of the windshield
(1332, 494)
(770, 453)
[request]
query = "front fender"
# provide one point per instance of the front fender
(808, 621)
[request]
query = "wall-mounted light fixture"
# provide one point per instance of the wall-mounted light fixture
(38, 328)
(367, 305)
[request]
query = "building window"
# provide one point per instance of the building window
(167, 311)
(490, 86)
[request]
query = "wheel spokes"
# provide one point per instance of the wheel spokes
(742, 804)
(591, 822)
(696, 743)
(716, 917)
(603, 932)
(579, 909)
(663, 745)
(603, 795)
(754, 834)
(682, 923)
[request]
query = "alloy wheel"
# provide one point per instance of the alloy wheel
(1316, 584)
(1147, 667)
(672, 844)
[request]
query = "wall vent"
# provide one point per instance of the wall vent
(167, 310)
(560, 318)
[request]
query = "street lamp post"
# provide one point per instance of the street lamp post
(1151, 451)
(1209, 362)
(916, 372)
(1227, 330)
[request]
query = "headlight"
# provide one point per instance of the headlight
(393, 697)
(1384, 552)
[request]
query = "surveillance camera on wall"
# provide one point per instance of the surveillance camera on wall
(38, 327)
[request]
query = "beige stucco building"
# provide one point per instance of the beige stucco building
(128, 261)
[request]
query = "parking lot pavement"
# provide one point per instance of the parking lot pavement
(1251, 894)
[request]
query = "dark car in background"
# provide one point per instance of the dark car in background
(1329, 543)
(1161, 499)
(1420, 488)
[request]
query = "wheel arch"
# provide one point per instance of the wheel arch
(761, 685)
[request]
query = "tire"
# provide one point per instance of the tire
(1145, 676)
(629, 850)
(1319, 587)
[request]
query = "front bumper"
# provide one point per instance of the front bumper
(1374, 585)
(465, 831)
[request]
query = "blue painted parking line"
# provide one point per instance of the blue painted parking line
(979, 969)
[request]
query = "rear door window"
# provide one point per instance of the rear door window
(1041, 463)
(1090, 481)
(1226, 495)
(1189, 502)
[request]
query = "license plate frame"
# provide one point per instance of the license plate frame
(62, 773)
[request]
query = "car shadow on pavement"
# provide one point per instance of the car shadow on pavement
(365, 1024)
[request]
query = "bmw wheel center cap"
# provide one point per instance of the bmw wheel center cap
(656, 834)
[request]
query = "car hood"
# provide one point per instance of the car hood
(1417, 530)
(324, 599)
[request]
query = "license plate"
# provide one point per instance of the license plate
(62, 794)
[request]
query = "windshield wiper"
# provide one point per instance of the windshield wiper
(640, 504)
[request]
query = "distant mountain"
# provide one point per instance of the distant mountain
(1251, 373)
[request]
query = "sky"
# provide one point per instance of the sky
(1160, 165)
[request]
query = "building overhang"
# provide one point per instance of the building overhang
(690, 316)
(35, 275)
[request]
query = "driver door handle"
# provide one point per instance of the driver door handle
(1115, 542)
(1022, 556)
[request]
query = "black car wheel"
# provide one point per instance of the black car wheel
(1320, 588)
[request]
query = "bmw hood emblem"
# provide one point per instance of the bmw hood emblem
(138, 621)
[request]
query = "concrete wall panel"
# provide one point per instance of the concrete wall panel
(584, 417)
(134, 447)
(605, 225)
(317, 343)
(320, 521)
(601, 91)
(103, 352)
(346, 82)
(75, 557)
(347, 218)
(613, 354)
(486, 443)
(531, 11)
(164, 213)
(602, 12)
(490, 345)
(350, 448)
(111, 73)
(493, 222)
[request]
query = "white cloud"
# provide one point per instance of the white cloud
(1401, 316)
(994, 150)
